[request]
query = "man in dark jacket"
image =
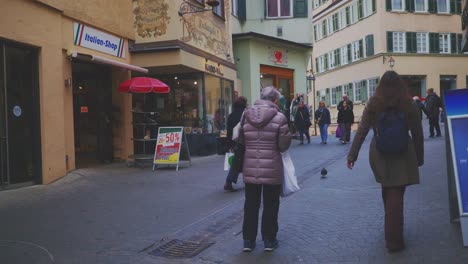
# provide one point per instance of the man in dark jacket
(433, 103)
(349, 103)
(345, 121)
(422, 108)
(233, 119)
(265, 134)
(302, 122)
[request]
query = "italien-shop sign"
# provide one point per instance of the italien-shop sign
(213, 69)
(94, 39)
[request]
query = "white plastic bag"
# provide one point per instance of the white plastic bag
(228, 161)
(235, 131)
(289, 180)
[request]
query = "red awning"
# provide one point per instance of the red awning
(143, 85)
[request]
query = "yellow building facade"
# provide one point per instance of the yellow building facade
(61, 64)
(355, 42)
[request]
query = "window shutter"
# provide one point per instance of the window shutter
(389, 5)
(452, 7)
(360, 11)
(373, 6)
(409, 5)
(432, 6)
(458, 9)
(369, 45)
(350, 92)
(411, 42)
(325, 59)
(349, 53)
(453, 43)
(364, 90)
(339, 93)
(459, 43)
(242, 10)
(300, 8)
(316, 65)
(324, 28)
(348, 19)
(327, 96)
(389, 41)
(361, 49)
(338, 57)
(315, 33)
(434, 43)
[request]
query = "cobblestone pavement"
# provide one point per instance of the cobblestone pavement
(115, 214)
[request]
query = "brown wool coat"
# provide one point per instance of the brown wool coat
(265, 134)
(392, 171)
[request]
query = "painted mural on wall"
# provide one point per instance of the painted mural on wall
(151, 17)
(206, 31)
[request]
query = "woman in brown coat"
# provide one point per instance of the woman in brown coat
(265, 134)
(393, 172)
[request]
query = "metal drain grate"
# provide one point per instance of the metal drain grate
(177, 248)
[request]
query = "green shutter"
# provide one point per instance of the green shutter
(338, 58)
(434, 43)
(373, 6)
(369, 45)
(452, 6)
(316, 65)
(361, 49)
(389, 5)
(453, 43)
(411, 45)
(432, 6)
(350, 92)
(389, 41)
(364, 90)
(459, 43)
(348, 19)
(458, 9)
(339, 93)
(324, 28)
(315, 33)
(325, 61)
(242, 10)
(409, 5)
(300, 8)
(349, 53)
(327, 96)
(360, 9)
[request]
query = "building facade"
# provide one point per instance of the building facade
(188, 45)
(60, 65)
(356, 41)
(272, 46)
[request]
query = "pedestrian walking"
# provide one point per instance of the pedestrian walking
(433, 105)
(302, 122)
(394, 155)
(345, 121)
(323, 119)
(340, 108)
(422, 108)
(233, 119)
(265, 134)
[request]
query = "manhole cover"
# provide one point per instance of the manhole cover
(177, 248)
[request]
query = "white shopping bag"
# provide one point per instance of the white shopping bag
(228, 161)
(289, 180)
(235, 131)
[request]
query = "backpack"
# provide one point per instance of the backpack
(392, 132)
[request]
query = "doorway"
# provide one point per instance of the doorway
(92, 111)
(416, 85)
(283, 79)
(447, 82)
(20, 151)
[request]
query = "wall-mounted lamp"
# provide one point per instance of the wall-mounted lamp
(68, 82)
(189, 8)
(389, 59)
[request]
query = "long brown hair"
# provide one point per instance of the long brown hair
(390, 93)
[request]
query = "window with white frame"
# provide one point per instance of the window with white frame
(398, 5)
(372, 86)
(367, 8)
(279, 8)
(344, 55)
(329, 22)
(443, 6)
(349, 91)
(235, 7)
(331, 60)
(444, 43)
(357, 91)
(342, 19)
(399, 42)
(333, 96)
(355, 51)
(422, 42)
(353, 13)
(420, 5)
(321, 63)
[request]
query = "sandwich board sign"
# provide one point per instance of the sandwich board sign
(457, 121)
(168, 146)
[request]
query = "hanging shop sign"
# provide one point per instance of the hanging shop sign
(94, 39)
(213, 69)
(457, 119)
(278, 56)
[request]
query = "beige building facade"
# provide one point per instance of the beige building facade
(61, 64)
(355, 42)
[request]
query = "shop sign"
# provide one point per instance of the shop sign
(84, 109)
(278, 56)
(168, 145)
(94, 39)
(213, 69)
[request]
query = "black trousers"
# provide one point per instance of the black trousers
(271, 201)
(434, 123)
(302, 132)
(393, 198)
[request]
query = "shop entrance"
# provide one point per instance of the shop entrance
(92, 111)
(281, 78)
(20, 162)
(416, 85)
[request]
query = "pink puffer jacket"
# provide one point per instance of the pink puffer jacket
(265, 134)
